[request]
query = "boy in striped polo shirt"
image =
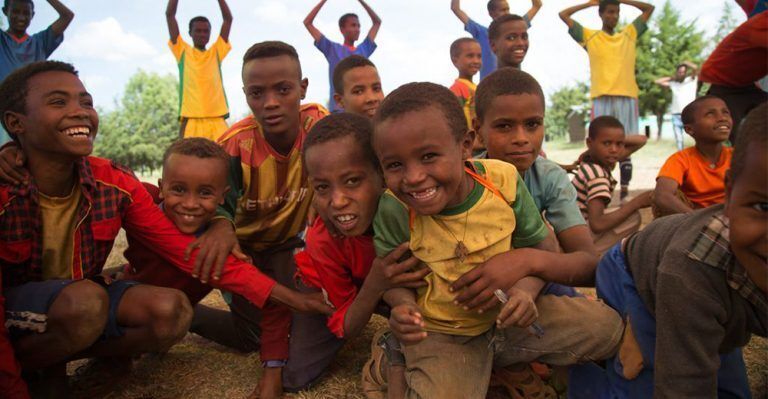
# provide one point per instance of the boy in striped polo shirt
(606, 145)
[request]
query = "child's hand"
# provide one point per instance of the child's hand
(312, 302)
(12, 165)
(519, 311)
(388, 272)
(407, 324)
(645, 199)
(475, 288)
(215, 245)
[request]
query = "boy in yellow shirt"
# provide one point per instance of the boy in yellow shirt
(203, 107)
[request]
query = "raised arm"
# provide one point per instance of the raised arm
(226, 25)
(663, 82)
(65, 17)
(460, 14)
(693, 69)
(646, 8)
(374, 19)
(535, 7)
(170, 19)
(310, 19)
(565, 15)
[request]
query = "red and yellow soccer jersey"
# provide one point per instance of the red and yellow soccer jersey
(464, 90)
(269, 191)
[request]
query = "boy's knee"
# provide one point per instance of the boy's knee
(171, 315)
(79, 314)
(606, 327)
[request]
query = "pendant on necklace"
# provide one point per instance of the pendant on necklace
(461, 251)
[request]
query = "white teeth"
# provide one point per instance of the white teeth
(77, 131)
(424, 194)
(345, 218)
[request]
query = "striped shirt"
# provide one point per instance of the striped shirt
(591, 181)
(270, 196)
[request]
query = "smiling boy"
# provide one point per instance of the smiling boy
(508, 36)
(358, 86)
(466, 56)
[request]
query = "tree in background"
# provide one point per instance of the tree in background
(144, 123)
(668, 42)
(561, 103)
(725, 25)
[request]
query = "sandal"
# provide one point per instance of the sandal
(522, 384)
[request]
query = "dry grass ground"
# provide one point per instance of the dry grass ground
(197, 368)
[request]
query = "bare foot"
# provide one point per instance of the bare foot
(271, 384)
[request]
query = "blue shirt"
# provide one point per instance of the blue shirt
(480, 33)
(335, 52)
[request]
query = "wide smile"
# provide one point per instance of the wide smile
(345, 222)
(78, 132)
(423, 195)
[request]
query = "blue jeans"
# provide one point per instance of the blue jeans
(616, 287)
(677, 126)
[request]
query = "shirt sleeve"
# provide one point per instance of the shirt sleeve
(50, 41)
(674, 168)
(147, 223)
(529, 227)
(475, 29)
(11, 384)
(561, 209)
(577, 32)
(390, 225)
(527, 21)
(325, 46)
(367, 47)
(222, 47)
(598, 184)
(178, 48)
(640, 26)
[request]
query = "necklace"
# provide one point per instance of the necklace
(460, 251)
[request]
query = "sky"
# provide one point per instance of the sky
(109, 41)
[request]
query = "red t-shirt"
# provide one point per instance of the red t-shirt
(740, 59)
(337, 265)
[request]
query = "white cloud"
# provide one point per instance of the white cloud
(106, 40)
(272, 11)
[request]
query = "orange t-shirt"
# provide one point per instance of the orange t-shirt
(701, 182)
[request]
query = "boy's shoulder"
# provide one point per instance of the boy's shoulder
(590, 170)
(310, 113)
(108, 170)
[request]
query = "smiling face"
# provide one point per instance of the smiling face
(274, 89)
(59, 122)
(607, 146)
(711, 121)
(192, 188)
(200, 33)
(362, 91)
(511, 44)
(470, 59)
(422, 161)
(513, 129)
(19, 15)
(346, 185)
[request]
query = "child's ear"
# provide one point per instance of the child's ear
(14, 123)
(224, 194)
(160, 186)
(476, 123)
(688, 129)
(467, 143)
(339, 100)
(304, 84)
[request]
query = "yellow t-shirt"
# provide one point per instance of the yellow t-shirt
(611, 58)
(201, 87)
(59, 215)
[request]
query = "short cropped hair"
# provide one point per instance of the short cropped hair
(605, 3)
(340, 125)
(752, 133)
(351, 62)
(269, 49)
(345, 17)
(504, 81)
(688, 115)
(495, 28)
(14, 88)
(456, 46)
(492, 5)
(602, 122)
(197, 147)
(8, 3)
(198, 18)
(417, 96)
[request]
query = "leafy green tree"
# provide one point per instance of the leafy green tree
(668, 42)
(144, 124)
(562, 102)
(725, 25)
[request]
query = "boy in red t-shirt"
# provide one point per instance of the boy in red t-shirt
(698, 172)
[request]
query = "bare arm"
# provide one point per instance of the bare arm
(693, 69)
(310, 19)
(374, 19)
(226, 25)
(633, 143)
(65, 17)
(601, 221)
(646, 8)
(535, 7)
(565, 15)
(665, 197)
(170, 19)
(456, 8)
(663, 82)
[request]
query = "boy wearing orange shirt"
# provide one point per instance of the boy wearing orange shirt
(697, 172)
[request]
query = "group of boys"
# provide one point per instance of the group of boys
(472, 258)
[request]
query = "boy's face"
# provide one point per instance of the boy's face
(711, 122)
(346, 185)
(274, 89)
(60, 120)
(500, 8)
(681, 72)
(200, 33)
(746, 206)
(511, 45)
(422, 161)
(362, 91)
(513, 129)
(610, 16)
(191, 189)
(351, 29)
(607, 146)
(19, 15)
(470, 59)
